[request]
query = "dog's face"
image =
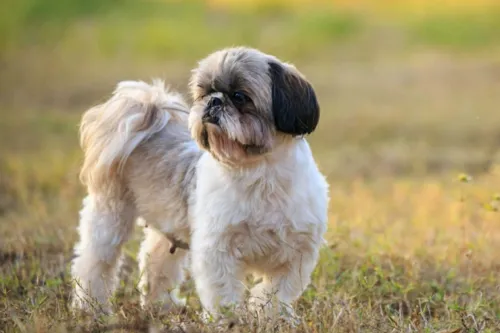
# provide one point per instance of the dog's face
(245, 102)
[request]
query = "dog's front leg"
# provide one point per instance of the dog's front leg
(285, 287)
(218, 277)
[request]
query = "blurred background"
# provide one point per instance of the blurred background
(409, 90)
(406, 87)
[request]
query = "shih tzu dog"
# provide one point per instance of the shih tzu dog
(232, 176)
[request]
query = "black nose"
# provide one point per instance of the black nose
(214, 101)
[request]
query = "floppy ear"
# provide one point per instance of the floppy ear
(295, 106)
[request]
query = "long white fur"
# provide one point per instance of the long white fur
(268, 222)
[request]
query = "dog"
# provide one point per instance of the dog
(232, 177)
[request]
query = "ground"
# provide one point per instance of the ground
(408, 139)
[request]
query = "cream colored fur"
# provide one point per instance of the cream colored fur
(122, 141)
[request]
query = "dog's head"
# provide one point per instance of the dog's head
(246, 102)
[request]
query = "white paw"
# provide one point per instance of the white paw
(288, 315)
(205, 317)
(176, 299)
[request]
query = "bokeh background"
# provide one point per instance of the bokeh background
(408, 138)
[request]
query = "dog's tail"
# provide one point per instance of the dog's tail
(110, 132)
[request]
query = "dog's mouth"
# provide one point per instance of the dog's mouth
(209, 119)
(212, 115)
(223, 140)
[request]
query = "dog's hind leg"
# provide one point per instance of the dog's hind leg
(105, 224)
(161, 271)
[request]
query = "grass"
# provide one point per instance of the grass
(404, 255)
(460, 31)
(408, 139)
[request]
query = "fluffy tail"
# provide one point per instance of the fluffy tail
(110, 132)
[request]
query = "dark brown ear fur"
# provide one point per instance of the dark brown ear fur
(295, 106)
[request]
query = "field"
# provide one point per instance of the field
(409, 139)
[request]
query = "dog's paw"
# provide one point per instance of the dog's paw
(177, 299)
(289, 317)
(224, 319)
(164, 303)
(205, 317)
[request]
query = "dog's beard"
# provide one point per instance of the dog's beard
(236, 140)
(227, 150)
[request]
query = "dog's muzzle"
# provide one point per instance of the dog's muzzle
(212, 114)
(210, 119)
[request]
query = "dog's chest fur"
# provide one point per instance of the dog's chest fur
(265, 216)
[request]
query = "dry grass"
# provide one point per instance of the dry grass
(408, 105)
(404, 255)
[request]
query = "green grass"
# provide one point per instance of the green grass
(408, 104)
(462, 31)
(168, 30)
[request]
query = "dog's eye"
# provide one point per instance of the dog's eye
(239, 98)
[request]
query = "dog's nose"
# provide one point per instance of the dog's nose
(214, 101)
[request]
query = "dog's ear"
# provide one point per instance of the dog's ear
(295, 106)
